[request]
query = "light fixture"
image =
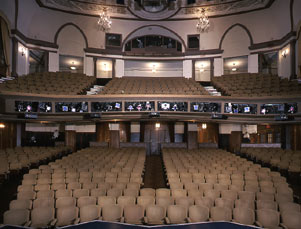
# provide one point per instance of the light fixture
(204, 126)
(2, 125)
(203, 22)
(22, 50)
(284, 53)
(105, 67)
(154, 68)
(234, 69)
(202, 68)
(104, 20)
(157, 125)
(72, 67)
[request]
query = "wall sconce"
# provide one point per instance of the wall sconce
(202, 68)
(73, 67)
(204, 126)
(157, 125)
(154, 68)
(284, 53)
(105, 67)
(234, 69)
(2, 125)
(22, 50)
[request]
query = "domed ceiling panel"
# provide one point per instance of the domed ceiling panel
(156, 9)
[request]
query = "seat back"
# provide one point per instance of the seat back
(86, 200)
(155, 214)
(268, 218)
(43, 202)
(221, 214)
(65, 202)
(198, 213)
(20, 204)
(176, 214)
(89, 213)
(244, 216)
(42, 216)
(66, 216)
(111, 213)
(16, 217)
(133, 214)
(291, 219)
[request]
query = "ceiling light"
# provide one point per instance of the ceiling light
(104, 20)
(203, 22)
(73, 68)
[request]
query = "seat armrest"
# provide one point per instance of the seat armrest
(76, 221)
(167, 220)
(189, 220)
(283, 226)
(145, 220)
(122, 220)
(53, 222)
(27, 224)
(258, 223)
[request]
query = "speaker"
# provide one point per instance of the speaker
(120, 2)
(190, 2)
(284, 117)
(92, 116)
(154, 114)
(28, 116)
(218, 116)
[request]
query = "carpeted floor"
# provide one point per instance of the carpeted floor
(154, 173)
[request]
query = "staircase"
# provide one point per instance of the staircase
(95, 90)
(212, 91)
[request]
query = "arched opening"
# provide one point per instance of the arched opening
(4, 48)
(72, 42)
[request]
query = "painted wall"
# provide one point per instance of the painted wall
(22, 60)
(284, 66)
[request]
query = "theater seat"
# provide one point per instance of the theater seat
(112, 213)
(42, 217)
(89, 213)
(176, 214)
(244, 216)
(67, 216)
(268, 218)
(155, 214)
(19, 217)
(133, 214)
(198, 213)
(291, 219)
(220, 214)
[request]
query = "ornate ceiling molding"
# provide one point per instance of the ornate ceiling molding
(175, 10)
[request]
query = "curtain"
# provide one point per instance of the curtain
(6, 45)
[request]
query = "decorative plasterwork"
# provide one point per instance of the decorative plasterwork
(175, 10)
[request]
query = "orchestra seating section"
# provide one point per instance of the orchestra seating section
(150, 85)
(16, 159)
(106, 184)
(280, 159)
(52, 83)
(255, 85)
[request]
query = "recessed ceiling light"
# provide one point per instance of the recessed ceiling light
(73, 68)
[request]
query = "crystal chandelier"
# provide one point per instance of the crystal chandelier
(104, 21)
(203, 23)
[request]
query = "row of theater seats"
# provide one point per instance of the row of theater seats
(89, 173)
(222, 179)
(15, 159)
(146, 85)
(250, 84)
(280, 159)
(58, 83)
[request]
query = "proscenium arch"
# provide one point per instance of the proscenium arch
(231, 27)
(161, 26)
(70, 24)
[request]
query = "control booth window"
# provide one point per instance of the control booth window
(193, 41)
(72, 64)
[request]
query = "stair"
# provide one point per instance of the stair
(212, 91)
(95, 90)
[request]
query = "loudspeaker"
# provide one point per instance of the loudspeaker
(120, 2)
(154, 114)
(92, 116)
(218, 116)
(284, 117)
(190, 2)
(28, 116)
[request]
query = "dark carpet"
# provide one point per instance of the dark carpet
(154, 173)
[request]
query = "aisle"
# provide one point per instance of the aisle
(154, 173)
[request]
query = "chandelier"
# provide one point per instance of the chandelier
(104, 21)
(203, 23)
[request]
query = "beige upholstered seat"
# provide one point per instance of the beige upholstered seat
(147, 192)
(184, 201)
(43, 202)
(65, 202)
(244, 215)
(198, 213)
(223, 202)
(26, 195)
(45, 194)
(106, 200)
(291, 219)
(268, 218)
(115, 192)
(164, 201)
(266, 204)
(67, 216)
(162, 192)
(89, 213)
(42, 217)
(112, 213)
(204, 201)
(155, 214)
(289, 206)
(63, 193)
(134, 214)
(220, 214)
(20, 204)
(77, 193)
(126, 200)
(241, 203)
(144, 201)
(176, 214)
(86, 200)
(18, 217)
